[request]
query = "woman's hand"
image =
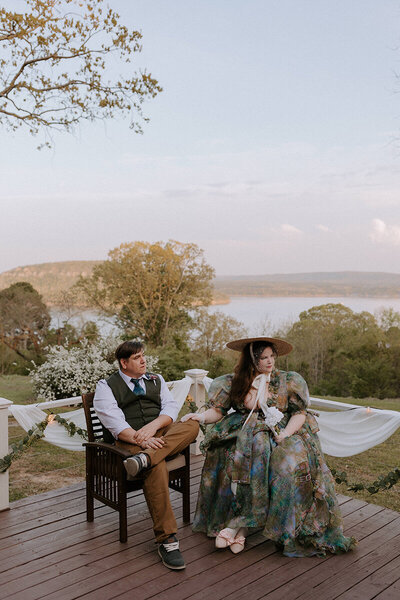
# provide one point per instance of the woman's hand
(212, 415)
(281, 436)
(194, 417)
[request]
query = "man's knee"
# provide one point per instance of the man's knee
(192, 427)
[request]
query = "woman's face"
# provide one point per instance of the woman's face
(266, 362)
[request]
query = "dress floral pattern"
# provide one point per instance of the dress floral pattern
(287, 490)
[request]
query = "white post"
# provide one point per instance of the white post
(198, 393)
(4, 494)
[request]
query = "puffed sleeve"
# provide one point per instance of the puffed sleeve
(219, 394)
(298, 395)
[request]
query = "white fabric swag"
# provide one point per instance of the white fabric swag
(30, 415)
(342, 433)
(350, 432)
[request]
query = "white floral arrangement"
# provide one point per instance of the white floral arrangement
(272, 417)
(69, 372)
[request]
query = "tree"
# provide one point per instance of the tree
(24, 318)
(214, 331)
(151, 288)
(332, 344)
(210, 335)
(387, 318)
(55, 66)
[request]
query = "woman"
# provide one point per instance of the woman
(260, 476)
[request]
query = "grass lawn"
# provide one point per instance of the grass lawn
(42, 467)
(367, 466)
(17, 388)
(45, 467)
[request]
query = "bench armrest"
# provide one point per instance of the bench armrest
(109, 447)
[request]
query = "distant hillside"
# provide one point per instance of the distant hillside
(49, 279)
(52, 278)
(342, 283)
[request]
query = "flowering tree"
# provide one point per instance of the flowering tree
(55, 66)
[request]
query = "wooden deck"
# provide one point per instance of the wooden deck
(48, 551)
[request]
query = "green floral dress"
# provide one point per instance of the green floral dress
(286, 489)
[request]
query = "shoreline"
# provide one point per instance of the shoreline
(227, 299)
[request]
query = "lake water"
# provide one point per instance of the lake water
(78, 318)
(252, 311)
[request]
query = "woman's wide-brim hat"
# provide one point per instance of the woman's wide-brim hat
(281, 346)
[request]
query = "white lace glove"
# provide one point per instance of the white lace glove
(195, 417)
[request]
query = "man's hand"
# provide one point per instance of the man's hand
(153, 442)
(145, 433)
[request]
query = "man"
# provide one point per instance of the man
(139, 411)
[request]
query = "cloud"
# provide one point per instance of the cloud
(290, 229)
(323, 228)
(385, 234)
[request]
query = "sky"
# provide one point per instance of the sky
(275, 145)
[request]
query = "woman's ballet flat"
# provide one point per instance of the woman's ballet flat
(238, 544)
(224, 539)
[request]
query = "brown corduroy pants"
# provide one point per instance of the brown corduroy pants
(155, 486)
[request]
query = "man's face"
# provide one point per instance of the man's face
(135, 365)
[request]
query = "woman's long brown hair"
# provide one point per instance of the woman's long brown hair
(245, 371)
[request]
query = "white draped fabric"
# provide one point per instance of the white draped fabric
(342, 433)
(29, 416)
(207, 381)
(350, 432)
(180, 389)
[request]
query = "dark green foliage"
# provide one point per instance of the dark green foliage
(219, 365)
(23, 314)
(67, 336)
(173, 361)
(343, 353)
(384, 482)
(24, 322)
(71, 428)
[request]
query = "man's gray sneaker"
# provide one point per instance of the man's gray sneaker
(170, 554)
(135, 464)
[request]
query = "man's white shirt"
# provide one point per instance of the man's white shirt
(112, 416)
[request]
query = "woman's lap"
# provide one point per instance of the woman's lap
(290, 496)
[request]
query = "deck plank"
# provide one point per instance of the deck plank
(390, 593)
(257, 578)
(48, 551)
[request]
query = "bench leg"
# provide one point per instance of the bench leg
(89, 487)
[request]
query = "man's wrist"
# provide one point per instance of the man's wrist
(127, 435)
